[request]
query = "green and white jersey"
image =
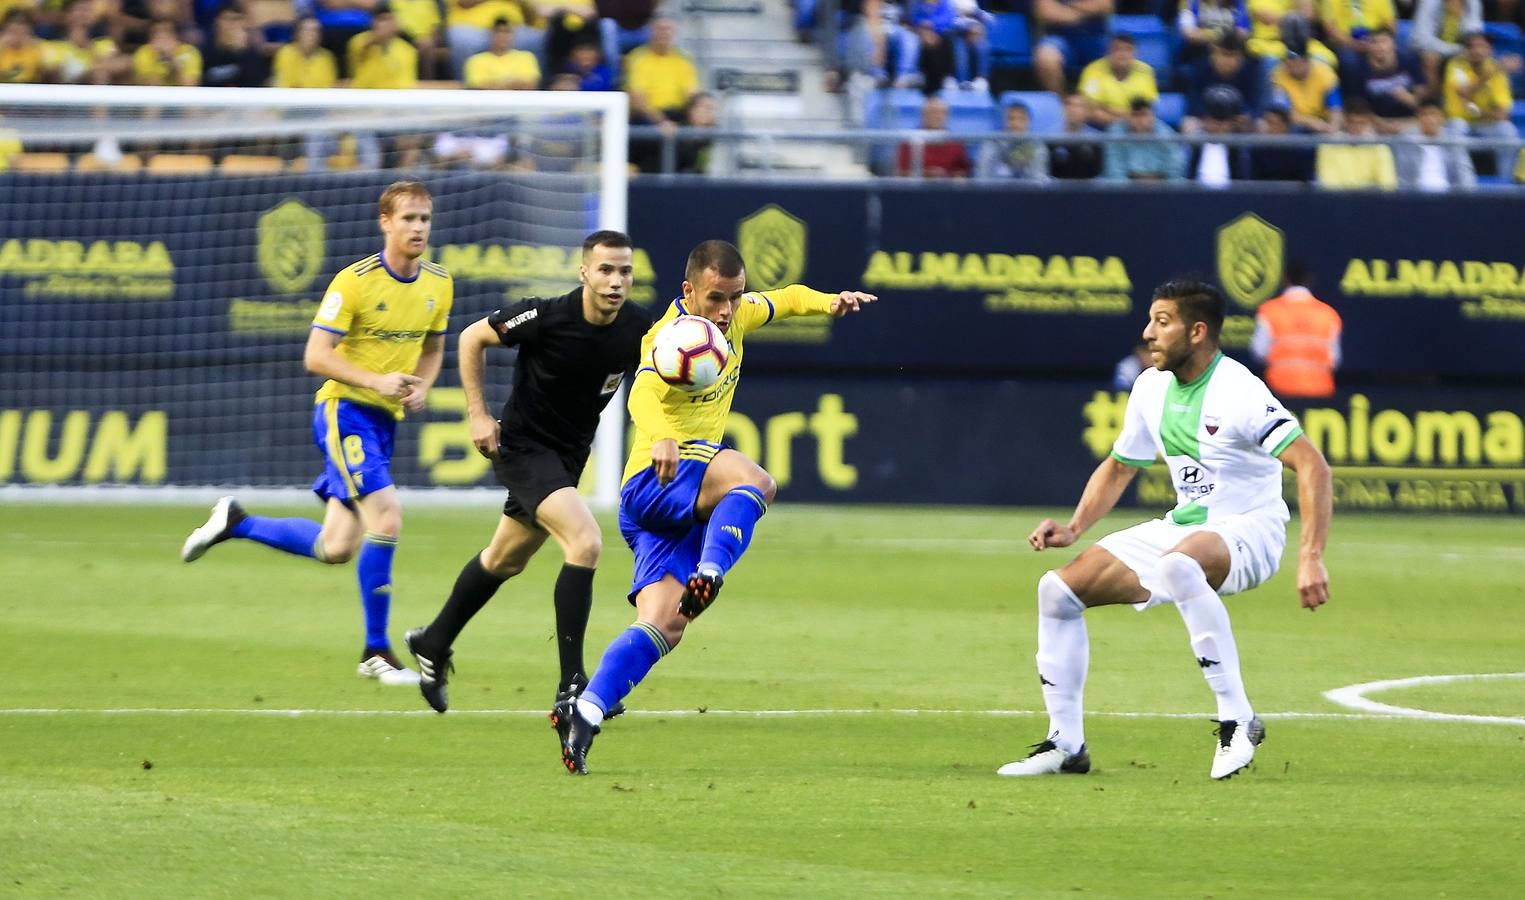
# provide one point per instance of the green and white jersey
(1220, 436)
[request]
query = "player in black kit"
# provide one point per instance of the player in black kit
(574, 350)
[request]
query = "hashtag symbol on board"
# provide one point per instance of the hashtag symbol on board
(1104, 421)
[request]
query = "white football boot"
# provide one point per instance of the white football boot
(1048, 759)
(385, 668)
(1236, 747)
(225, 514)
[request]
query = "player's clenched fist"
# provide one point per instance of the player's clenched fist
(396, 385)
(416, 399)
(484, 433)
(1312, 583)
(1051, 534)
(664, 460)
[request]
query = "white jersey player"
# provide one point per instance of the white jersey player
(1225, 439)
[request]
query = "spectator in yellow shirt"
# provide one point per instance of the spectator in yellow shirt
(500, 67)
(420, 23)
(1347, 22)
(1116, 80)
(20, 51)
(10, 147)
(1310, 89)
(468, 28)
(1365, 166)
(165, 59)
(305, 63)
(1477, 97)
(1270, 19)
(659, 77)
(380, 58)
(79, 57)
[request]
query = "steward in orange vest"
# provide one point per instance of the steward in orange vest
(1297, 335)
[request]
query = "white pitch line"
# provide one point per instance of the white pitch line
(1354, 697)
(659, 713)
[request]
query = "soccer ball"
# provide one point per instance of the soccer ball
(689, 353)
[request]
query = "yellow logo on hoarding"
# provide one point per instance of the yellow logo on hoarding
(772, 241)
(290, 246)
(535, 269)
(1250, 254)
(102, 270)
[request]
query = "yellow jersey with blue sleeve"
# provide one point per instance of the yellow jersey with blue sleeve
(383, 320)
(662, 412)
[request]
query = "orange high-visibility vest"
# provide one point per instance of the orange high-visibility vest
(1303, 330)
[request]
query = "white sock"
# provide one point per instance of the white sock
(1212, 640)
(1064, 655)
(590, 711)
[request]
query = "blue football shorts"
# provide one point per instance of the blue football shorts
(658, 521)
(356, 442)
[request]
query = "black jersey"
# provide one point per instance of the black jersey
(568, 367)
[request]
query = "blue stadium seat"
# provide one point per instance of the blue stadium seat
(1138, 25)
(1046, 108)
(1171, 109)
(892, 108)
(1517, 115)
(1506, 37)
(1011, 45)
(971, 112)
(873, 108)
(1153, 40)
(1507, 41)
(1404, 33)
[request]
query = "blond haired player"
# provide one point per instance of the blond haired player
(378, 339)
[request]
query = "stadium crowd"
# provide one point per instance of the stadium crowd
(1162, 67)
(370, 44)
(1029, 69)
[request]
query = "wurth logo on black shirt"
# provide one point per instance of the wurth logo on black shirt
(520, 319)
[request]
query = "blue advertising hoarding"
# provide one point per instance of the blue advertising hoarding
(1040, 280)
(136, 354)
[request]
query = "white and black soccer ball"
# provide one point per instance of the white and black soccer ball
(689, 353)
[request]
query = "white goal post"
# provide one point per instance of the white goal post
(164, 244)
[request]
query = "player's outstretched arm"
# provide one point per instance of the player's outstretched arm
(471, 358)
(1315, 506)
(427, 370)
(799, 300)
(322, 358)
(1104, 488)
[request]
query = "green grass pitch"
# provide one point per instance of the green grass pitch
(892, 633)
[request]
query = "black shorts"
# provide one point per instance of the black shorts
(532, 472)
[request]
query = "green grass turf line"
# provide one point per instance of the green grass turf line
(834, 608)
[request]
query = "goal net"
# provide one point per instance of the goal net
(164, 249)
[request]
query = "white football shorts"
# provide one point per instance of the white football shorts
(1255, 543)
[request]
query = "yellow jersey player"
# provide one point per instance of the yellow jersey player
(379, 339)
(688, 504)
